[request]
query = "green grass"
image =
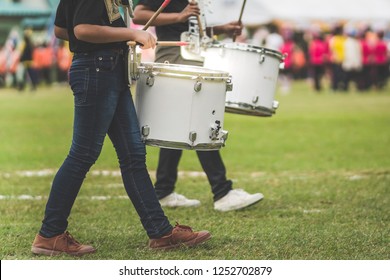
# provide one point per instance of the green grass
(322, 162)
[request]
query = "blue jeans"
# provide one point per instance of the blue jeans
(103, 105)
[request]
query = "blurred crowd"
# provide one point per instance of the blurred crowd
(340, 57)
(26, 62)
(334, 59)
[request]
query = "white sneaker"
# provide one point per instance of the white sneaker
(237, 199)
(178, 200)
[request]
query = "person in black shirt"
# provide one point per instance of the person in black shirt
(26, 58)
(170, 24)
(103, 106)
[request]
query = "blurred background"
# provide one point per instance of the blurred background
(341, 43)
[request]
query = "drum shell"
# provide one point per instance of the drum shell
(254, 73)
(173, 110)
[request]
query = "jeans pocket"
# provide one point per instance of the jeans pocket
(78, 80)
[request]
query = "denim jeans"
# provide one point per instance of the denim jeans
(103, 105)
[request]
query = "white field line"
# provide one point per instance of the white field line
(39, 197)
(106, 173)
(105, 198)
(116, 173)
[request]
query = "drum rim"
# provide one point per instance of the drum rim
(176, 70)
(247, 109)
(183, 146)
(248, 47)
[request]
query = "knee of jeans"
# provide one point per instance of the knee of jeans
(133, 161)
(84, 160)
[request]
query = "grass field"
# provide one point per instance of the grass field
(322, 162)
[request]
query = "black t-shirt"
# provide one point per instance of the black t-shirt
(169, 32)
(98, 12)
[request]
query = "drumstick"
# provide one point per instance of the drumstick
(240, 17)
(201, 33)
(162, 7)
(162, 43)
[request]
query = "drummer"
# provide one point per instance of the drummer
(103, 106)
(170, 24)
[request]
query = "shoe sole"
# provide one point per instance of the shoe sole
(46, 252)
(242, 206)
(179, 206)
(190, 243)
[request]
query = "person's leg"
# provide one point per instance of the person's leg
(33, 74)
(93, 112)
(166, 177)
(334, 77)
(225, 198)
(125, 134)
(166, 173)
(215, 170)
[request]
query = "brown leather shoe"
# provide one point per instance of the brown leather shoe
(63, 243)
(180, 235)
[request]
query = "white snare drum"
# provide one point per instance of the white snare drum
(181, 106)
(254, 72)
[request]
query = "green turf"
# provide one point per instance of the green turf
(322, 162)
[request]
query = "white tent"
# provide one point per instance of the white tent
(298, 11)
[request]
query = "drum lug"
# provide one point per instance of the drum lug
(224, 136)
(145, 130)
(262, 58)
(192, 136)
(255, 99)
(150, 80)
(229, 84)
(282, 63)
(198, 86)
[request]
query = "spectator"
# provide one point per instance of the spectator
(64, 60)
(3, 66)
(285, 76)
(26, 59)
(273, 40)
(381, 62)
(368, 54)
(352, 62)
(337, 52)
(300, 56)
(43, 59)
(318, 57)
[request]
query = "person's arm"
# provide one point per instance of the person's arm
(107, 34)
(142, 14)
(230, 29)
(61, 33)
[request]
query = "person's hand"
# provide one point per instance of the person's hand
(192, 9)
(146, 39)
(231, 29)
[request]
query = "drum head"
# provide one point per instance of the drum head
(249, 48)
